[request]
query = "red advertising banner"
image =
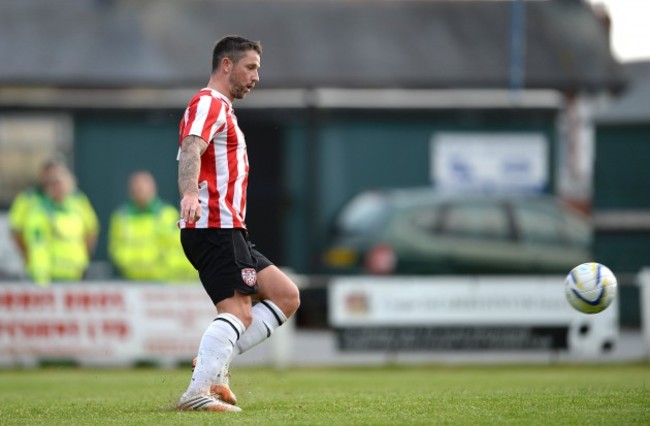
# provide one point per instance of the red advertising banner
(104, 323)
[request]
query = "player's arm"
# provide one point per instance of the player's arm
(189, 166)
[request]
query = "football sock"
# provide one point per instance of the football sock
(215, 350)
(266, 318)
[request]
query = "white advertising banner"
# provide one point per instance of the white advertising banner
(475, 312)
(109, 323)
(490, 161)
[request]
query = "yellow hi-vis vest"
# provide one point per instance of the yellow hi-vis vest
(144, 245)
(20, 207)
(22, 204)
(56, 237)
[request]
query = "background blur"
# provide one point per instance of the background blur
(354, 96)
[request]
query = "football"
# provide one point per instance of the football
(590, 287)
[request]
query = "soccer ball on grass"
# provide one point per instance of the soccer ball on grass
(590, 287)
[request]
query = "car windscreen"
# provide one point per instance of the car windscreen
(363, 214)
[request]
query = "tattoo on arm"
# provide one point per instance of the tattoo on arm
(189, 164)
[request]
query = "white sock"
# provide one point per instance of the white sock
(266, 318)
(215, 350)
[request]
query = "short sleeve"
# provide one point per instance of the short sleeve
(204, 117)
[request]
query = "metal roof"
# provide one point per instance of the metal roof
(633, 106)
(307, 44)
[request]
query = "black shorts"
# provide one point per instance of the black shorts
(226, 260)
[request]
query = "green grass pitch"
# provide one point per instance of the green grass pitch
(431, 395)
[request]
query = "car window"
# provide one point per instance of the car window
(363, 214)
(425, 218)
(549, 223)
(476, 220)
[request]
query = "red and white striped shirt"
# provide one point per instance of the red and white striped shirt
(223, 177)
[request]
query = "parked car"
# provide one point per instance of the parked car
(420, 231)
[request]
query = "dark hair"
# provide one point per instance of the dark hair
(233, 47)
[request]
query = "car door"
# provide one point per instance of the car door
(479, 237)
(413, 236)
(548, 237)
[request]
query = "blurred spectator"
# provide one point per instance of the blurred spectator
(21, 205)
(57, 227)
(144, 239)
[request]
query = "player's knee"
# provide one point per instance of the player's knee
(295, 298)
(290, 300)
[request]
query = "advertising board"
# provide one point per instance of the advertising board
(102, 323)
(464, 313)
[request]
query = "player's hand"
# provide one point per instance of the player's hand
(190, 208)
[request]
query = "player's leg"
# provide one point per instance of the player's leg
(239, 306)
(215, 349)
(279, 298)
(216, 254)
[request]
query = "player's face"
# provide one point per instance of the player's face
(244, 75)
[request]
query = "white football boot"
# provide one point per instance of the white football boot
(221, 388)
(204, 403)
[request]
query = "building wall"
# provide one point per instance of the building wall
(363, 150)
(304, 165)
(621, 188)
(621, 177)
(109, 145)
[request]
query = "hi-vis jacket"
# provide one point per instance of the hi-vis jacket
(57, 237)
(145, 245)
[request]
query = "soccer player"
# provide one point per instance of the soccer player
(212, 180)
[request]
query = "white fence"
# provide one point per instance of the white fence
(117, 323)
(466, 313)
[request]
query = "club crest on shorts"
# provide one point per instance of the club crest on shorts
(249, 276)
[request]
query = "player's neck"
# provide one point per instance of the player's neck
(220, 86)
